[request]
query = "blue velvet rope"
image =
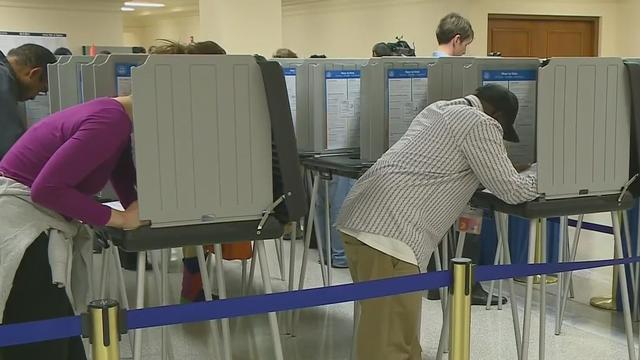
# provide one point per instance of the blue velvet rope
(24, 333)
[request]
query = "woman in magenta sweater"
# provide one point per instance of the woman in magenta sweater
(65, 159)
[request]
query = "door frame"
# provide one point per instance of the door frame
(595, 20)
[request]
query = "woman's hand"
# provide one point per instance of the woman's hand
(128, 219)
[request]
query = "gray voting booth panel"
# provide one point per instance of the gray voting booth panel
(520, 76)
(70, 81)
(311, 102)
(290, 70)
(446, 78)
(107, 79)
(202, 140)
(583, 127)
(88, 78)
(54, 89)
(393, 90)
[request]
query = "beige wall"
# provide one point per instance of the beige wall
(242, 26)
(348, 28)
(629, 28)
(83, 26)
(144, 30)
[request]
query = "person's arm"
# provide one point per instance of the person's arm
(55, 186)
(123, 178)
(487, 157)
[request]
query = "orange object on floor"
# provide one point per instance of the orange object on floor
(235, 251)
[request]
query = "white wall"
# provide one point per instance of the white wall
(82, 26)
(349, 28)
(144, 30)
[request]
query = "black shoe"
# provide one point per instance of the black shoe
(433, 294)
(479, 297)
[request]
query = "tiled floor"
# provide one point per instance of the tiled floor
(326, 332)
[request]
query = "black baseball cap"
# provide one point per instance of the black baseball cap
(504, 102)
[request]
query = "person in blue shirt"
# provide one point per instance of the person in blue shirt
(454, 34)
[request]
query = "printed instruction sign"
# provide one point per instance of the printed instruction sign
(523, 84)
(343, 108)
(407, 98)
(290, 79)
(123, 79)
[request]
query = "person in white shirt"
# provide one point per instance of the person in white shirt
(398, 212)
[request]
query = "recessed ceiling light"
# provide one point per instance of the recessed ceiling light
(143, 4)
(124, 8)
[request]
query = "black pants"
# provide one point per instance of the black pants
(33, 297)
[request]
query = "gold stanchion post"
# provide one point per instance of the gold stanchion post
(460, 330)
(103, 325)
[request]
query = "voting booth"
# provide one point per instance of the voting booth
(54, 89)
(520, 76)
(88, 78)
(290, 70)
(113, 76)
(393, 92)
(70, 81)
(209, 167)
(328, 105)
(583, 127)
(446, 78)
(205, 155)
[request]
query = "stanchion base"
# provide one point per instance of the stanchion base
(604, 303)
(537, 279)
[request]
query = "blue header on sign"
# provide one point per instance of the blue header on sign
(407, 73)
(342, 74)
(124, 70)
(289, 71)
(509, 75)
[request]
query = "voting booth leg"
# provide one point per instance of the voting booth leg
(562, 278)
(206, 287)
(498, 259)
(502, 229)
(444, 331)
(460, 335)
(327, 231)
(627, 237)
(103, 325)
(307, 244)
(543, 292)
(292, 270)
(572, 258)
(526, 324)
(222, 293)
(273, 319)
(622, 276)
(140, 273)
(438, 261)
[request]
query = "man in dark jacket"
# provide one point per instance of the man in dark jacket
(23, 75)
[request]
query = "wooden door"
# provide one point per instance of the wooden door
(543, 36)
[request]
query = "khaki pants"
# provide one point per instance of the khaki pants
(388, 327)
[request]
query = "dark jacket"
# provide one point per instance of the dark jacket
(11, 124)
